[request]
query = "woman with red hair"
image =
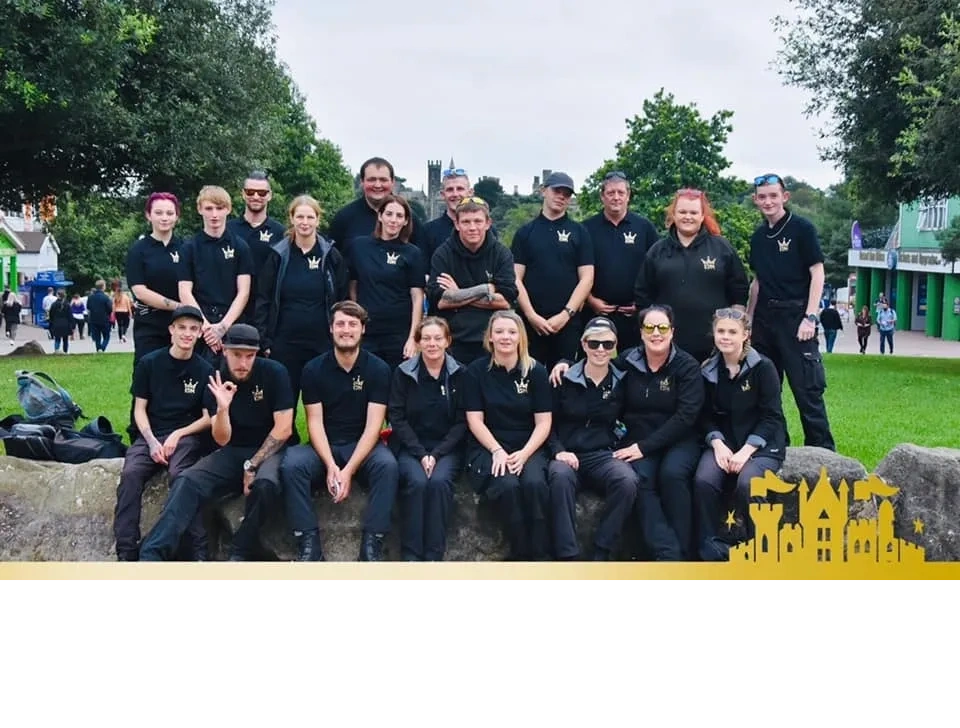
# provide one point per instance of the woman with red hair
(694, 270)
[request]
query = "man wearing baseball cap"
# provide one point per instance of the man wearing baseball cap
(172, 413)
(553, 260)
(252, 420)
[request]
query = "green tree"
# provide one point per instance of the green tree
(490, 190)
(667, 147)
(515, 218)
(883, 76)
(737, 223)
(950, 241)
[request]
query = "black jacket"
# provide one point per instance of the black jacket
(270, 279)
(756, 414)
(583, 419)
(492, 263)
(662, 407)
(694, 281)
(405, 411)
(830, 319)
(99, 308)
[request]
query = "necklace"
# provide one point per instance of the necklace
(776, 233)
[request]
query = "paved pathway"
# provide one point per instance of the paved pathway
(906, 343)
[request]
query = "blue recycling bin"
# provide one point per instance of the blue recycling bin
(37, 289)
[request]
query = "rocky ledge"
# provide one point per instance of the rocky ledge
(60, 512)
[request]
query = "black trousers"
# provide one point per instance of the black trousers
(303, 471)
(295, 357)
(548, 350)
(522, 502)
(216, 476)
(467, 352)
(388, 347)
(601, 472)
(665, 500)
(628, 330)
(138, 468)
(425, 506)
(711, 486)
(775, 336)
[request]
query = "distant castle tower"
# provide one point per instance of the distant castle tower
(434, 185)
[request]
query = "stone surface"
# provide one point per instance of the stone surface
(60, 512)
(31, 348)
(929, 482)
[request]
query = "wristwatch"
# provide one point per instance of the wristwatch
(570, 312)
(248, 467)
(812, 318)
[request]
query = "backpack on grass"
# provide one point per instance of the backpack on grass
(45, 402)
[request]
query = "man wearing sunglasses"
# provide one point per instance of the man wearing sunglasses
(256, 227)
(620, 242)
(787, 261)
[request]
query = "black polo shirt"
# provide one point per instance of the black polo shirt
(357, 220)
(385, 272)
(175, 389)
(345, 395)
(258, 239)
(152, 264)
(618, 252)
(507, 399)
(551, 250)
(781, 256)
(266, 391)
(213, 264)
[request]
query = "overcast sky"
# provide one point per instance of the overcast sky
(510, 88)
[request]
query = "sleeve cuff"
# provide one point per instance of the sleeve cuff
(757, 442)
(714, 435)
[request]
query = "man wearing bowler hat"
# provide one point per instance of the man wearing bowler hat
(172, 413)
(252, 419)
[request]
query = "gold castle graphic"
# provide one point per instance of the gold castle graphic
(825, 528)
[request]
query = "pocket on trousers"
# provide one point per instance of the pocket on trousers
(814, 376)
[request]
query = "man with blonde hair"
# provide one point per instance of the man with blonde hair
(216, 268)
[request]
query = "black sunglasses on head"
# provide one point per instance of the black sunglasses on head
(596, 344)
(767, 179)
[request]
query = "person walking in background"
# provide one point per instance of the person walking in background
(886, 324)
(830, 320)
(61, 322)
(99, 308)
(863, 328)
(11, 314)
(78, 311)
(122, 308)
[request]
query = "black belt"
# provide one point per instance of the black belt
(783, 303)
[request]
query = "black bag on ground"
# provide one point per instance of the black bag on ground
(24, 440)
(44, 401)
(94, 442)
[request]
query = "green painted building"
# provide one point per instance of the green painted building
(922, 288)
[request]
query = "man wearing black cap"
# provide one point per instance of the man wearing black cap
(171, 411)
(553, 260)
(252, 421)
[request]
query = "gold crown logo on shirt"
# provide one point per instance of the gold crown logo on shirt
(313, 263)
(665, 385)
(563, 236)
(392, 258)
(522, 386)
(709, 263)
(358, 384)
(175, 256)
(189, 386)
(266, 236)
(630, 238)
(745, 386)
(227, 253)
(257, 394)
(784, 245)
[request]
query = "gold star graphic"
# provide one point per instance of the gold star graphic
(731, 520)
(917, 526)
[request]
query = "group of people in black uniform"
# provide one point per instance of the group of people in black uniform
(594, 355)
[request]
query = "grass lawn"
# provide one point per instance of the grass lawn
(874, 403)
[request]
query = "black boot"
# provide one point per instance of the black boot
(128, 556)
(308, 548)
(371, 548)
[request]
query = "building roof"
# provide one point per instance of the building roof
(32, 240)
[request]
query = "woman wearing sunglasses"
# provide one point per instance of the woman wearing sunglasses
(587, 407)
(742, 420)
(663, 396)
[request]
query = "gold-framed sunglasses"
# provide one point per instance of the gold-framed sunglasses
(659, 328)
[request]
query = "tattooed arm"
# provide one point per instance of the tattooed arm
(282, 429)
(482, 295)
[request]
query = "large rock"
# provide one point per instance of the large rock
(807, 463)
(929, 482)
(31, 348)
(61, 512)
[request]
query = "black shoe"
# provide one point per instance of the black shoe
(601, 554)
(238, 556)
(371, 548)
(128, 556)
(308, 548)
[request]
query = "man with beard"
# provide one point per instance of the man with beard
(252, 421)
(345, 395)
